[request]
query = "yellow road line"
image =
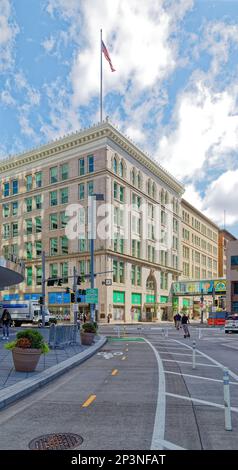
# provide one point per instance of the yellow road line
(89, 401)
(123, 358)
(115, 372)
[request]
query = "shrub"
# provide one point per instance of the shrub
(30, 339)
(89, 327)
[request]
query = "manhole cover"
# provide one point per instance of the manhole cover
(56, 442)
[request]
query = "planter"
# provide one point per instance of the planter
(87, 338)
(25, 360)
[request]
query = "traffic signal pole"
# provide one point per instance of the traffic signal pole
(75, 304)
(42, 307)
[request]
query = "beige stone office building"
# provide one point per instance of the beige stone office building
(38, 186)
(224, 238)
(232, 277)
(199, 244)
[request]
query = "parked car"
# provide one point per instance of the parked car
(231, 324)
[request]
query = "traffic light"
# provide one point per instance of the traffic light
(79, 280)
(72, 298)
(60, 282)
(50, 282)
(41, 300)
(67, 290)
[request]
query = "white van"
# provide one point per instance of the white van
(26, 311)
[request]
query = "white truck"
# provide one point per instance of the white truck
(26, 311)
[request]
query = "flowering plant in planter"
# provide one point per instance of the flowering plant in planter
(88, 331)
(26, 349)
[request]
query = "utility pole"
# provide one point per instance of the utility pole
(43, 289)
(75, 305)
(202, 300)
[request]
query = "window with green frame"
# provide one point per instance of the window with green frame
(38, 179)
(82, 244)
(81, 191)
(133, 274)
(64, 171)
(53, 198)
(63, 219)
(53, 221)
(15, 187)
(53, 174)
(115, 190)
(38, 248)
(6, 231)
(138, 275)
(82, 266)
(115, 264)
(28, 203)
(90, 163)
(15, 229)
(28, 223)
(29, 182)
(81, 167)
(90, 188)
(6, 210)
(28, 250)
(64, 269)
(29, 276)
(38, 201)
(64, 195)
(15, 208)
(53, 270)
(38, 225)
(122, 190)
(53, 246)
(38, 275)
(64, 244)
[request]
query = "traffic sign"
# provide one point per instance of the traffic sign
(92, 296)
(108, 282)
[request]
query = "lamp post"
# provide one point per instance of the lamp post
(202, 300)
(92, 235)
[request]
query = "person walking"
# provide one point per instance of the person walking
(6, 321)
(178, 321)
(185, 321)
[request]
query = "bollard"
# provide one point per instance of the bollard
(194, 355)
(227, 404)
(167, 333)
(118, 331)
(199, 333)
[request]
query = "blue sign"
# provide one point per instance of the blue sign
(32, 296)
(11, 297)
(59, 298)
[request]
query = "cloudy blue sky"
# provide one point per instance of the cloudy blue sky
(174, 92)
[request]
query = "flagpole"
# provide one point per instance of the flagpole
(101, 75)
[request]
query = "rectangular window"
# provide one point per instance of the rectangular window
(82, 244)
(15, 187)
(6, 210)
(6, 231)
(38, 225)
(53, 246)
(28, 223)
(81, 191)
(53, 221)
(121, 194)
(29, 276)
(53, 174)
(115, 271)
(63, 219)
(6, 189)
(28, 203)
(64, 272)
(38, 248)
(15, 249)
(54, 270)
(64, 244)
(90, 164)
(29, 182)
(15, 208)
(64, 195)
(81, 167)
(115, 190)
(38, 275)
(38, 177)
(133, 275)
(38, 201)
(138, 275)
(15, 229)
(53, 198)
(90, 188)
(28, 250)
(121, 272)
(64, 171)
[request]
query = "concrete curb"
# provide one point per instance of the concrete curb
(23, 388)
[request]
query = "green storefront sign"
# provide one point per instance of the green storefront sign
(91, 296)
(163, 299)
(150, 299)
(136, 299)
(118, 297)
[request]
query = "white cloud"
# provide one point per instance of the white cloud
(25, 126)
(223, 195)
(7, 98)
(48, 44)
(193, 197)
(205, 131)
(8, 32)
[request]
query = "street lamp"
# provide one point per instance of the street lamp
(92, 235)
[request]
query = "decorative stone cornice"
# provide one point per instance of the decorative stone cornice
(100, 131)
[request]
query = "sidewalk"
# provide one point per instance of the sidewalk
(14, 385)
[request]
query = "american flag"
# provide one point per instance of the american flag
(107, 56)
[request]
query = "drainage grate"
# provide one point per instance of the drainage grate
(56, 441)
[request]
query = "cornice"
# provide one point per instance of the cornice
(102, 130)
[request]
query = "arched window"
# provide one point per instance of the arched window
(162, 199)
(154, 190)
(149, 187)
(139, 181)
(121, 169)
(133, 177)
(115, 165)
(166, 198)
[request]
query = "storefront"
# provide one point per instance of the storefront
(164, 311)
(150, 307)
(118, 306)
(136, 307)
(59, 305)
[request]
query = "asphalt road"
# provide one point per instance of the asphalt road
(137, 395)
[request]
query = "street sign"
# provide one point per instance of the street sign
(91, 296)
(108, 282)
